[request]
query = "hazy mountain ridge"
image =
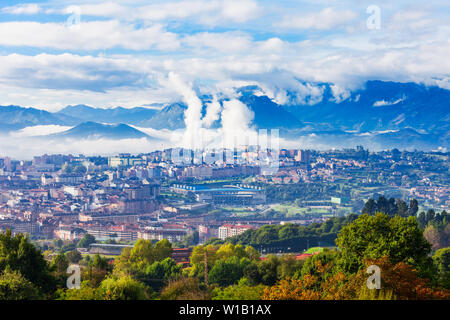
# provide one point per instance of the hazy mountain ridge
(381, 113)
(94, 130)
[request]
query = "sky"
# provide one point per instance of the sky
(127, 53)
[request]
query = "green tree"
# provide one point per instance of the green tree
(370, 207)
(288, 231)
(60, 263)
(124, 288)
(14, 286)
(86, 241)
(99, 262)
(86, 292)
(413, 207)
(402, 208)
(289, 266)
(441, 260)
(163, 249)
(251, 273)
(378, 236)
(74, 256)
(185, 289)
(268, 269)
(136, 260)
(160, 272)
(18, 254)
(229, 271)
(241, 291)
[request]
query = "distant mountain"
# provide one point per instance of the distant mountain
(94, 130)
(134, 116)
(380, 115)
(16, 117)
(268, 114)
(170, 117)
(379, 106)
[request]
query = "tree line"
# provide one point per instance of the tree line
(410, 267)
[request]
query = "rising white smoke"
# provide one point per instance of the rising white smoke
(236, 120)
(213, 110)
(193, 114)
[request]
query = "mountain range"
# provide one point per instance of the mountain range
(387, 114)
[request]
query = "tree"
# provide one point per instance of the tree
(400, 279)
(288, 231)
(242, 291)
(370, 207)
(86, 292)
(377, 236)
(18, 254)
(292, 289)
(74, 256)
(268, 269)
(14, 286)
(123, 288)
(429, 215)
(402, 208)
(163, 249)
(136, 260)
(160, 272)
(86, 241)
(432, 235)
(328, 261)
(98, 268)
(251, 273)
(185, 289)
(68, 247)
(289, 266)
(229, 271)
(413, 207)
(441, 260)
(60, 263)
(197, 260)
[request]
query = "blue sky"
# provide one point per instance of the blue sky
(104, 53)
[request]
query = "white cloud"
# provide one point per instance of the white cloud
(41, 130)
(221, 42)
(240, 10)
(92, 35)
(326, 19)
(29, 8)
(209, 12)
(383, 103)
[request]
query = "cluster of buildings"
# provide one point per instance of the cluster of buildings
(120, 197)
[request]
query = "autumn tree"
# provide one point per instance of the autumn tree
(399, 279)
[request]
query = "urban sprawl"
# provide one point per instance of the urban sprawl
(123, 198)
